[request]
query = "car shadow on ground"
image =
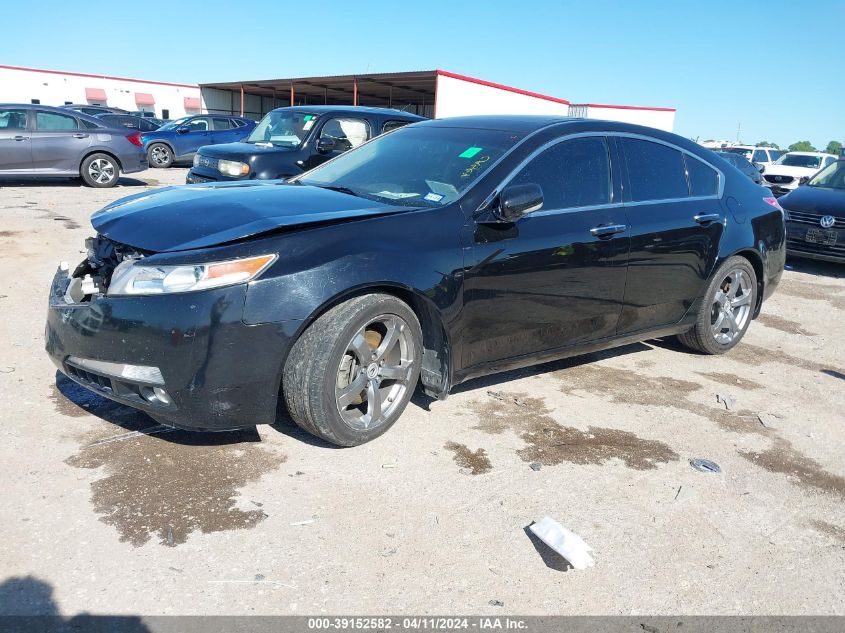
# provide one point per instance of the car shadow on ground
(123, 181)
(76, 401)
(815, 267)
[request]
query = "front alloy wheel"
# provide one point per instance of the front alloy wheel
(374, 373)
(350, 375)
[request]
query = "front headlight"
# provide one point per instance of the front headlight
(196, 159)
(137, 278)
(232, 168)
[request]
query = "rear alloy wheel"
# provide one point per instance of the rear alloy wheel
(159, 156)
(100, 170)
(352, 372)
(726, 312)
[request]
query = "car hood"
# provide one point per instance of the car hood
(199, 216)
(785, 170)
(242, 151)
(817, 200)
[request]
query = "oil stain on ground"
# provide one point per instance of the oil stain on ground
(829, 529)
(753, 355)
(821, 292)
(169, 484)
(783, 325)
(731, 380)
(551, 443)
(782, 458)
(476, 462)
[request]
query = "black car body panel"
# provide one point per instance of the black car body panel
(231, 212)
(490, 295)
(268, 162)
(815, 226)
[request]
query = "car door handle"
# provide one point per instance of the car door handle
(606, 230)
(80, 135)
(706, 218)
(20, 138)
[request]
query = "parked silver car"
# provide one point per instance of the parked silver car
(38, 140)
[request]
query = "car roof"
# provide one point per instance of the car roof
(334, 109)
(57, 110)
(503, 122)
(819, 154)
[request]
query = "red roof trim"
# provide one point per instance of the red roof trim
(490, 84)
(62, 72)
(623, 107)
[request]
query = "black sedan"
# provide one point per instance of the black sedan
(444, 250)
(815, 216)
(289, 141)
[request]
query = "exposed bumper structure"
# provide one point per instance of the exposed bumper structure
(188, 360)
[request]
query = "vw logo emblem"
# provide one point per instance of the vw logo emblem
(827, 221)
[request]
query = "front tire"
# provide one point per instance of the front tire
(726, 311)
(100, 171)
(159, 156)
(351, 374)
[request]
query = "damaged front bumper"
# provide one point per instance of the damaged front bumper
(187, 359)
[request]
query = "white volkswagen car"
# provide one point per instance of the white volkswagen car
(793, 169)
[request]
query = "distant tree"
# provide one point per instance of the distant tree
(802, 146)
(834, 147)
(767, 144)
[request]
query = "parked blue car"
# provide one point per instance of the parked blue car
(180, 139)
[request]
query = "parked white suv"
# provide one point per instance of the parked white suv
(757, 155)
(790, 169)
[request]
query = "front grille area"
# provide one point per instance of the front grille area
(801, 246)
(810, 218)
(96, 381)
(778, 180)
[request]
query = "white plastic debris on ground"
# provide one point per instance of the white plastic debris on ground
(568, 544)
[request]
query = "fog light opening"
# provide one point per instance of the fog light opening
(155, 395)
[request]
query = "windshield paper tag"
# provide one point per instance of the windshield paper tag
(433, 197)
(469, 152)
(308, 124)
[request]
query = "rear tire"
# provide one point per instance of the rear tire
(351, 374)
(159, 156)
(726, 311)
(100, 171)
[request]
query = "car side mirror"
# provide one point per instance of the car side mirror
(516, 201)
(803, 180)
(182, 130)
(760, 167)
(325, 145)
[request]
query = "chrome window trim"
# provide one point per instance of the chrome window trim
(507, 179)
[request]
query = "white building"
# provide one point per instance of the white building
(431, 93)
(55, 88)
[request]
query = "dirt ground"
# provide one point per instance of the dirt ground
(432, 517)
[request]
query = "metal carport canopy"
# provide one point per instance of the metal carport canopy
(397, 90)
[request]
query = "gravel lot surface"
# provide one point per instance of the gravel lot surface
(431, 518)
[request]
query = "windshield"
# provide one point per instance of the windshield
(173, 124)
(798, 160)
(283, 129)
(745, 153)
(415, 166)
(831, 177)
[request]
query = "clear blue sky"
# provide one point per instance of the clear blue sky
(773, 66)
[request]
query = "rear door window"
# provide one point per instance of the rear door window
(655, 171)
(703, 179)
(574, 173)
(222, 124)
(50, 121)
(12, 119)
